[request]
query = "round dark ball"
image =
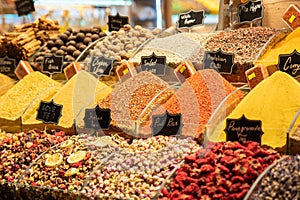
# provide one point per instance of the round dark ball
(87, 40)
(95, 31)
(39, 59)
(50, 44)
(76, 53)
(67, 33)
(80, 37)
(102, 34)
(69, 58)
(95, 37)
(54, 49)
(72, 37)
(59, 43)
(71, 49)
(60, 52)
(70, 30)
(75, 32)
(82, 47)
(88, 35)
(72, 42)
(63, 37)
(64, 48)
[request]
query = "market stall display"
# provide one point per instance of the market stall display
(279, 91)
(73, 95)
(33, 87)
(119, 46)
(18, 151)
(69, 44)
(26, 39)
(137, 173)
(129, 99)
(270, 58)
(244, 43)
(196, 100)
(281, 181)
(221, 170)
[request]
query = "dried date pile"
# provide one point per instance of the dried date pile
(222, 170)
(281, 182)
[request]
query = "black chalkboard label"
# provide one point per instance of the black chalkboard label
(190, 19)
(116, 22)
(49, 112)
(97, 118)
(7, 65)
(166, 124)
(290, 63)
(52, 64)
(250, 11)
(219, 61)
(243, 129)
(154, 64)
(101, 66)
(24, 7)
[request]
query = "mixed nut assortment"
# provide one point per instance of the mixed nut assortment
(281, 182)
(69, 44)
(222, 170)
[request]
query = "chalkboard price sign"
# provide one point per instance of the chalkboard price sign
(24, 7)
(166, 124)
(290, 63)
(101, 66)
(7, 65)
(116, 22)
(154, 64)
(219, 61)
(49, 112)
(243, 130)
(97, 117)
(52, 64)
(250, 11)
(190, 19)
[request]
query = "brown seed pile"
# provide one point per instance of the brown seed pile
(129, 99)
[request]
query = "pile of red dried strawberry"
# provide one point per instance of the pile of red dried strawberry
(224, 170)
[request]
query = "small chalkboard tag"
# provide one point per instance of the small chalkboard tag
(219, 61)
(250, 11)
(101, 66)
(97, 118)
(52, 64)
(190, 19)
(154, 64)
(24, 7)
(7, 65)
(116, 22)
(49, 112)
(243, 130)
(166, 124)
(290, 63)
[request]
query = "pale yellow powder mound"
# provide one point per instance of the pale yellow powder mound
(5, 83)
(74, 95)
(275, 102)
(33, 86)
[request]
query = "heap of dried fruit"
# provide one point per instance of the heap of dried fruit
(63, 169)
(221, 171)
(19, 150)
(281, 182)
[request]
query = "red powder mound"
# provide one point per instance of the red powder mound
(197, 99)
